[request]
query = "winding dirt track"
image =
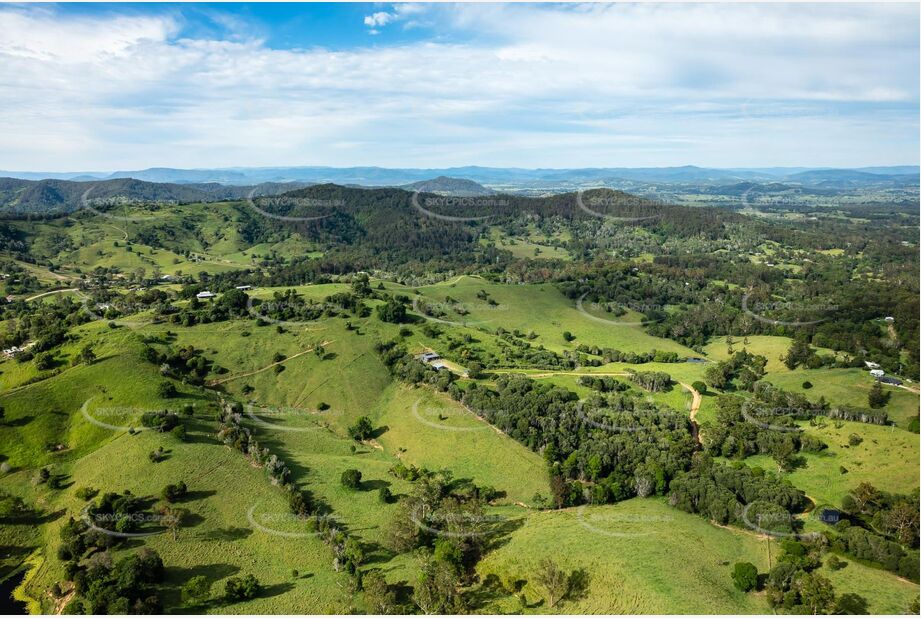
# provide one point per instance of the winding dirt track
(52, 292)
(267, 367)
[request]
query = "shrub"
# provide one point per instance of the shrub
(745, 576)
(166, 390)
(196, 591)
(362, 429)
(242, 588)
(86, 493)
(172, 493)
(835, 563)
(351, 478)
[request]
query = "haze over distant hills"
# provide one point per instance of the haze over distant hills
(48, 192)
(500, 177)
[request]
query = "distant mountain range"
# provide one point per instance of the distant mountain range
(55, 196)
(21, 196)
(507, 178)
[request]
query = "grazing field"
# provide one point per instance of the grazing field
(431, 430)
(879, 459)
(641, 556)
(45, 414)
(848, 387)
(544, 310)
(219, 541)
(885, 593)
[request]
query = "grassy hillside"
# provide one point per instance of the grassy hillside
(641, 556)
(848, 387)
(880, 460)
(544, 310)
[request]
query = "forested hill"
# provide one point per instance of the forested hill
(389, 207)
(56, 197)
(387, 226)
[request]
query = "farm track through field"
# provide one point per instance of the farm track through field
(307, 394)
(37, 296)
(267, 367)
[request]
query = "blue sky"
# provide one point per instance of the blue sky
(106, 87)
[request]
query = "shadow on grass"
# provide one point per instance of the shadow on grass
(199, 494)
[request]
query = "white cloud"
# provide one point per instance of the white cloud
(557, 86)
(376, 20)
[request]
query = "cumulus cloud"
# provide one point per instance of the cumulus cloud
(519, 85)
(376, 20)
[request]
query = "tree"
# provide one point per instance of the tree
(362, 429)
(745, 576)
(172, 518)
(798, 354)
(381, 599)
(901, 521)
(361, 286)
(877, 398)
(166, 390)
(173, 493)
(86, 356)
(351, 478)
(392, 311)
(241, 589)
(816, 593)
(44, 361)
(196, 591)
(552, 580)
(474, 370)
(716, 375)
(436, 589)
